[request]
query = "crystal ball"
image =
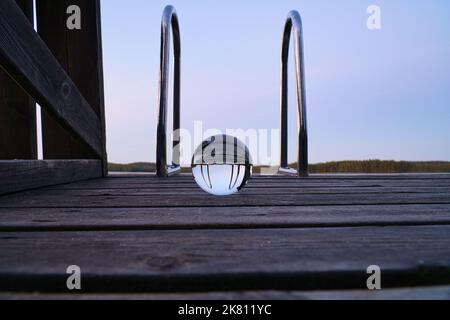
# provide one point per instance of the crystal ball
(222, 165)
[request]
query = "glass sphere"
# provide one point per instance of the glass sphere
(222, 165)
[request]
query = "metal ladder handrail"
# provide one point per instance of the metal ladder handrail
(169, 23)
(294, 22)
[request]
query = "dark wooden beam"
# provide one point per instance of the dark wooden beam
(30, 63)
(80, 54)
(23, 175)
(17, 112)
(204, 260)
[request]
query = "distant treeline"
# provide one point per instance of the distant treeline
(132, 167)
(380, 166)
(366, 166)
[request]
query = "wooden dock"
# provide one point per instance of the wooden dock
(281, 238)
(163, 238)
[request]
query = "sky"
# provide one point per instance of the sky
(371, 94)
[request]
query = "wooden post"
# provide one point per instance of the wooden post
(80, 54)
(17, 112)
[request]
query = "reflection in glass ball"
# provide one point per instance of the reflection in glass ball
(222, 165)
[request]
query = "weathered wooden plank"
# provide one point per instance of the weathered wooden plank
(188, 183)
(30, 63)
(22, 175)
(156, 192)
(17, 112)
(187, 191)
(417, 293)
(399, 176)
(57, 143)
(442, 175)
(171, 199)
(256, 178)
(72, 49)
(252, 187)
(60, 219)
(251, 259)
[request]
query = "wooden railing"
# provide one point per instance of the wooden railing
(61, 70)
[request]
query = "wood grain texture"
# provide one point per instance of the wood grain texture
(49, 200)
(182, 192)
(151, 184)
(30, 63)
(23, 175)
(195, 190)
(286, 238)
(253, 259)
(79, 219)
(17, 112)
(135, 177)
(187, 181)
(80, 54)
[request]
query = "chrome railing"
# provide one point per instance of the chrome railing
(294, 22)
(169, 23)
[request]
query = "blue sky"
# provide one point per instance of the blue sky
(381, 94)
